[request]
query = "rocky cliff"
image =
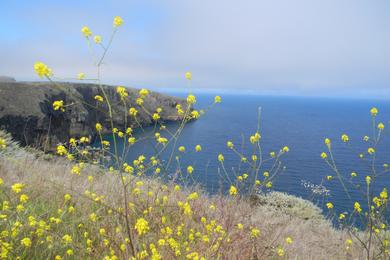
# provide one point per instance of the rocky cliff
(26, 111)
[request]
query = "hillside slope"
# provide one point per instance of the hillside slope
(216, 227)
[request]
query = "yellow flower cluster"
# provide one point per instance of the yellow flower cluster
(59, 105)
(42, 70)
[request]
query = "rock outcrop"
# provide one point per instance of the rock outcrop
(26, 111)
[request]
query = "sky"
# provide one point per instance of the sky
(271, 47)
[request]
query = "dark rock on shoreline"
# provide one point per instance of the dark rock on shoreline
(27, 113)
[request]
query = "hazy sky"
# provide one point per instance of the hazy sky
(283, 47)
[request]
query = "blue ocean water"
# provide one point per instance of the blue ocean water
(301, 123)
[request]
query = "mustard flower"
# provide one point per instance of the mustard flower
(255, 138)
(59, 105)
(366, 138)
(198, 148)
(190, 169)
(230, 144)
(26, 242)
(289, 240)
(139, 101)
(143, 92)
(272, 154)
(286, 149)
(1, 181)
(17, 187)
(99, 98)
(327, 142)
(42, 69)
(20, 208)
(381, 126)
(232, 190)
(255, 232)
(221, 158)
(191, 99)
(371, 150)
(357, 207)
(383, 194)
(3, 143)
(80, 76)
(368, 180)
(374, 111)
(118, 21)
(69, 252)
(341, 216)
(217, 99)
(329, 177)
(98, 127)
(133, 111)
(23, 198)
(86, 31)
(67, 197)
(195, 114)
(142, 226)
(193, 196)
(93, 217)
(156, 116)
(345, 138)
(97, 39)
(122, 92)
(188, 75)
(67, 239)
(329, 205)
(324, 155)
(280, 251)
(353, 174)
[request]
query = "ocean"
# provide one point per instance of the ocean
(302, 124)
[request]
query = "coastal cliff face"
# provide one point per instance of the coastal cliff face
(27, 113)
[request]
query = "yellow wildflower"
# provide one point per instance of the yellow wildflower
(142, 226)
(97, 39)
(98, 127)
(86, 31)
(99, 98)
(232, 190)
(118, 21)
(255, 232)
(190, 169)
(191, 99)
(59, 105)
(374, 111)
(80, 76)
(17, 187)
(26, 242)
(42, 69)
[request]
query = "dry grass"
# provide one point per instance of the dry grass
(48, 180)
